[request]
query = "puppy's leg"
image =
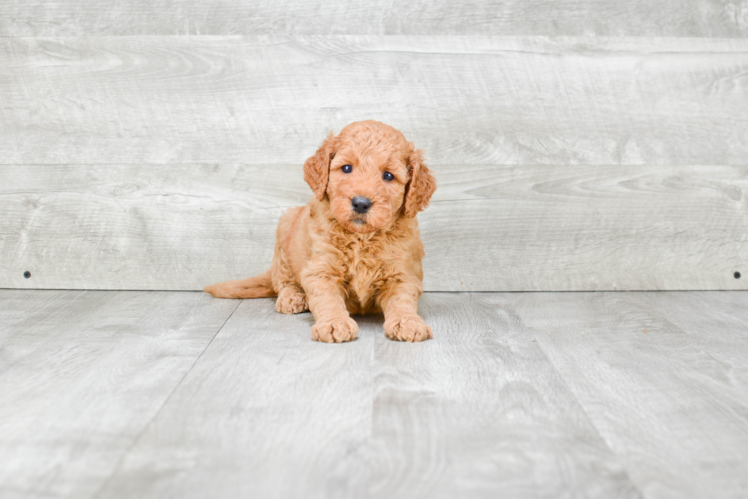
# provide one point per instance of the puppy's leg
(291, 300)
(325, 299)
(399, 303)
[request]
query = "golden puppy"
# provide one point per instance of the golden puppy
(355, 247)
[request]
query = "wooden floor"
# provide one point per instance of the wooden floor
(163, 394)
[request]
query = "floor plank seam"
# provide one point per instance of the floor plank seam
(589, 419)
(160, 408)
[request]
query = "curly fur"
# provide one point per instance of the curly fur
(336, 262)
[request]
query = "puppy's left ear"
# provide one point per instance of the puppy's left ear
(421, 185)
(317, 167)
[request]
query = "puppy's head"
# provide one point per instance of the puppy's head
(371, 176)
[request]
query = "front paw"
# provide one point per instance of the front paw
(407, 329)
(291, 302)
(336, 330)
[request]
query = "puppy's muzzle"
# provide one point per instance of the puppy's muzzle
(360, 204)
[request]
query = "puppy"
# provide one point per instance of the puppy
(355, 248)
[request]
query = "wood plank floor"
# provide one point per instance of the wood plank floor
(163, 394)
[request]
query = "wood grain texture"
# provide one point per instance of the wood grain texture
(718, 18)
(465, 100)
(83, 373)
(480, 411)
(266, 412)
(510, 228)
(541, 394)
(663, 378)
(22, 312)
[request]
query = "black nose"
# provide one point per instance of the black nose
(360, 204)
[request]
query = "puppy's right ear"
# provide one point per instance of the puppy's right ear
(317, 167)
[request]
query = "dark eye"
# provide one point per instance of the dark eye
(388, 176)
(347, 169)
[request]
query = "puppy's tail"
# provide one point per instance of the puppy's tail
(249, 288)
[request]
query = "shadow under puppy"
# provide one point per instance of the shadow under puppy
(355, 248)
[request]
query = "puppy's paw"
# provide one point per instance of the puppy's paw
(336, 330)
(407, 329)
(291, 303)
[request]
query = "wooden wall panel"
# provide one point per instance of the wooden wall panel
(527, 227)
(465, 100)
(694, 18)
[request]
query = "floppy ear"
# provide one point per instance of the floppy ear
(317, 167)
(421, 186)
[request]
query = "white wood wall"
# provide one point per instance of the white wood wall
(579, 145)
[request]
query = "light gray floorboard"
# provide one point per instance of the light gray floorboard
(662, 376)
(465, 100)
(524, 227)
(716, 324)
(534, 394)
(480, 412)
(268, 412)
(83, 373)
(423, 17)
(22, 312)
